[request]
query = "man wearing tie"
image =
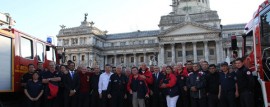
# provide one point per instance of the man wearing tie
(158, 99)
(72, 85)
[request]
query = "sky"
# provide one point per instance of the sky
(42, 18)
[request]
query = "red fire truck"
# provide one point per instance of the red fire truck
(17, 50)
(258, 60)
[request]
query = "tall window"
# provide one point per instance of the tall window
(26, 48)
(122, 43)
(151, 41)
(212, 52)
(179, 53)
(189, 53)
(40, 52)
(141, 59)
(74, 58)
(200, 52)
(122, 60)
(169, 54)
(132, 59)
(83, 57)
(66, 41)
(113, 60)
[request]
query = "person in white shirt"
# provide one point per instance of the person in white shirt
(103, 85)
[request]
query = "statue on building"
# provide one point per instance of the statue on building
(85, 17)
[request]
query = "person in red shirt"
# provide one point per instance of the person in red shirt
(137, 86)
(170, 86)
(84, 87)
(184, 70)
(146, 74)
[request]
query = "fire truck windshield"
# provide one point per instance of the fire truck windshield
(265, 23)
(265, 42)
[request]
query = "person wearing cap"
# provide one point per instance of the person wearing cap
(103, 85)
(246, 84)
(228, 90)
(212, 86)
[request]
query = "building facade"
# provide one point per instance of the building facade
(192, 31)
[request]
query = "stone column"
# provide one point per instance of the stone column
(194, 51)
(240, 52)
(69, 43)
(91, 59)
(222, 58)
(224, 53)
(144, 58)
(206, 52)
(70, 57)
(125, 60)
(115, 60)
(101, 62)
(184, 52)
(79, 59)
(161, 55)
(106, 59)
(79, 42)
(217, 51)
(88, 59)
(135, 59)
(173, 52)
(228, 52)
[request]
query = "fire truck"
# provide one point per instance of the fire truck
(258, 59)
(17, 50)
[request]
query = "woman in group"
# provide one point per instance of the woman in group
(170, 86)
(33, 91)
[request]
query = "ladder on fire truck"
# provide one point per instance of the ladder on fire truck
(5, 19)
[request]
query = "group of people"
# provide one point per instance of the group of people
(176, 85)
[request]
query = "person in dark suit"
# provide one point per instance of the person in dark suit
(72, 85)
(158, 99)
(94, 88)
(117, 88)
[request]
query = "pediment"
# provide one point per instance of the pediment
(189, 28)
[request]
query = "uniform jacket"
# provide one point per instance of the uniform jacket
(138, 85)
(197, 79)
(245, 79)
(117, 84)
(171, 86)
(148, 74)
(212, 83)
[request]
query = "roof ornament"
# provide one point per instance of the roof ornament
(85, 17)
(91, 23)
(187, 18)
(62, 26)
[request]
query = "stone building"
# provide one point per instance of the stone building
(192, 31)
